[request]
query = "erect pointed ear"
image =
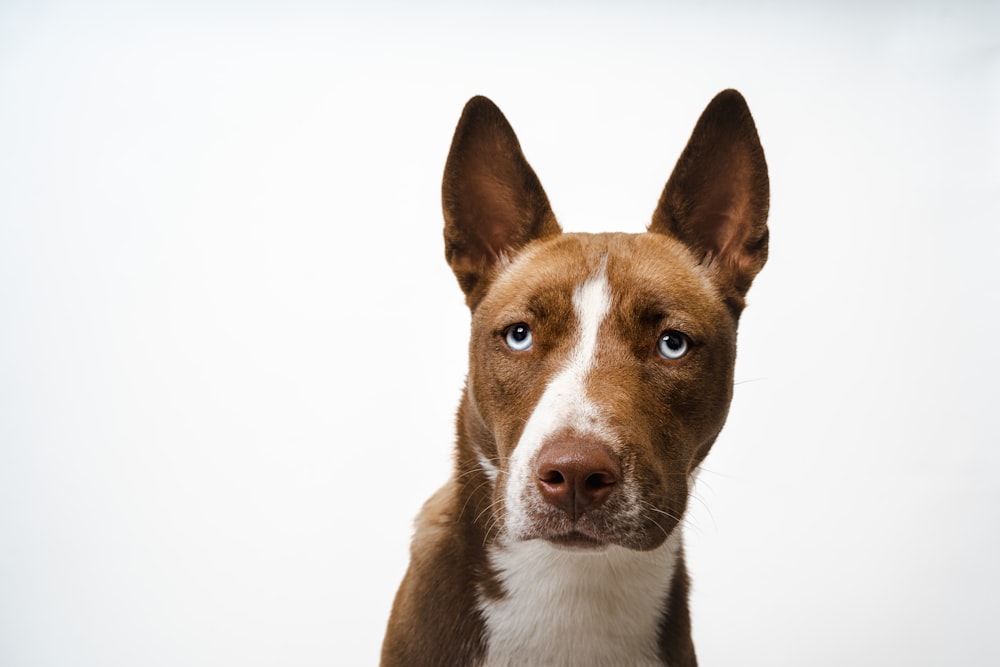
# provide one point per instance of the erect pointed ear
(716, 200)
(493, 202)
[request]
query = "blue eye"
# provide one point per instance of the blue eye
(673, 344)
(518, 337)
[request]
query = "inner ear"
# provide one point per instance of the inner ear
(493, 202)
(716, 200)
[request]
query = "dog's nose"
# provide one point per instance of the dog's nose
(576, 474)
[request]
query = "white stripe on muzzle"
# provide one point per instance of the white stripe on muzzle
(564, 404)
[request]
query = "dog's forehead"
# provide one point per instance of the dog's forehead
(638, 267)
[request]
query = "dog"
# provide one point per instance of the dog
(600, 374)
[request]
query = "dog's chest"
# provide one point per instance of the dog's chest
(578, 608)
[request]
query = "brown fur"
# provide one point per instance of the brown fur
(690, 272)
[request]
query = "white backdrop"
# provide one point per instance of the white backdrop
(230, 348)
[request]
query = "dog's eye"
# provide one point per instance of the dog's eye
(518, 337)
(673, 344)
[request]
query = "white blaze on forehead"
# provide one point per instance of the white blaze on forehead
(564, 403)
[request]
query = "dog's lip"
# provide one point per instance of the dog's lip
(576, 540)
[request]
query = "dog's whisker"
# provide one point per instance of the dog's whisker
(489, 508)
(470, 496)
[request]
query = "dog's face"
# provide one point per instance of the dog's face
(601, 366)
(613, 343)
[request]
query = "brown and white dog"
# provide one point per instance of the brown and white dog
(600, 374)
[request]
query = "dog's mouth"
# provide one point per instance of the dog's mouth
(628, 517)
(576, 541)
(594, 531)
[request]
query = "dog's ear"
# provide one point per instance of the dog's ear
(493, 202)
(716, 200)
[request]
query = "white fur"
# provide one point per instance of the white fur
(488, 467)
(564, 607)
(564, 403)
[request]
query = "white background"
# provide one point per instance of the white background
(230, 348)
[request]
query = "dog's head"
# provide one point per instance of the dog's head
(601, 366)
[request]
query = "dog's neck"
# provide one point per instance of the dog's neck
(572, 607)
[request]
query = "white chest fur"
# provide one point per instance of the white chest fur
(576, 607)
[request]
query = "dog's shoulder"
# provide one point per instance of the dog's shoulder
(433, 589)
(435, 518)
